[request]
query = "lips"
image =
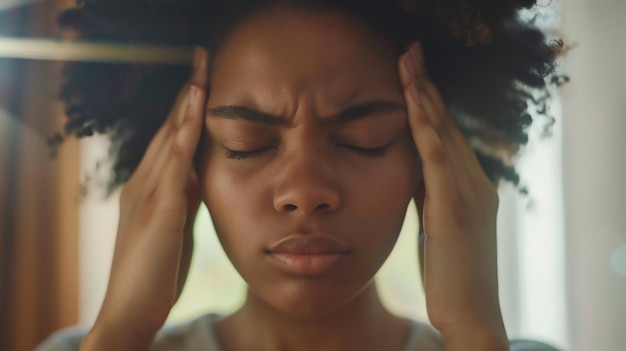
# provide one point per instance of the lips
(309, 244)
(307, 254)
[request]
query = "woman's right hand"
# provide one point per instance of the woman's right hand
(154, 205)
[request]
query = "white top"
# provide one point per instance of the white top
(199, 334)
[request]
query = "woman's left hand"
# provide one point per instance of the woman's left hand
(460, 205)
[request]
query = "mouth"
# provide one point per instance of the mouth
(307, 254)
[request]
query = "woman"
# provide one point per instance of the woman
(306, 128)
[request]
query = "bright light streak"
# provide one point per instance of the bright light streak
(56, 50)
(7, 4)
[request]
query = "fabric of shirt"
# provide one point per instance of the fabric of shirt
(199, 334)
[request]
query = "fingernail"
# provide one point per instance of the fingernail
(408, 63)
(195, 92)
(415, 95)
(417, 52)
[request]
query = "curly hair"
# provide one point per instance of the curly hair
(487, 62)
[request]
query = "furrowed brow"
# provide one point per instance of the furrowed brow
(367, 109)
(352, 113)
(247, 114)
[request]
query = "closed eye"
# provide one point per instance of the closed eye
(242, 155)
(365, 152)
(373, 153)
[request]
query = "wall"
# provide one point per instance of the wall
(594, 165)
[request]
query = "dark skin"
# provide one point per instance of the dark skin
(309, 177)
(309, 172)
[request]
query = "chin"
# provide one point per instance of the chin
(309, 300)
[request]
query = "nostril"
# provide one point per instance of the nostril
(323, 206)
(320, 207)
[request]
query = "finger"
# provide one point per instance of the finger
(438, 178)
(447, 124)
(468, 155)
(177, 168)
(201, 65)
(451, 138)
(459, 170)
(198, 79)
(454, 158)
(416, 69)
(159, 144)
(416, 53)
(149, 171)
(157, 156)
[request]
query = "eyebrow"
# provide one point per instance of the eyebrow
(352, 113)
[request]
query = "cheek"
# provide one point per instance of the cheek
(386, 189)
(374, 198)
(225, 192)
(379, 200)
(230, 201)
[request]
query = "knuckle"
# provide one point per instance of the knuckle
(422, 121)
(460, 215)
(177, 150)
(170, 211)
(421, 89)
(411, 85)
(437, 155)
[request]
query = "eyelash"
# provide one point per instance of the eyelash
(370, 153)
(240, 155)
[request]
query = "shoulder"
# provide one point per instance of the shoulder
(197, 334)
(67, 339)
(194, 335)
(424, 337)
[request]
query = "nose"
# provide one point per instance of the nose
(306, 185)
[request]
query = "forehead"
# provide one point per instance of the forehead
(295, 52)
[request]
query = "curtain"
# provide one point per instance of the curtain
(38, 194)
(594, 165)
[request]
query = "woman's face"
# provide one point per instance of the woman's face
(305, 213)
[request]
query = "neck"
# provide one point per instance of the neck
(362, 324)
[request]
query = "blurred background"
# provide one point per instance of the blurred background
(562, 253)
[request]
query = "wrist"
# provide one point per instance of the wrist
(476, 337)
(101, 338)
